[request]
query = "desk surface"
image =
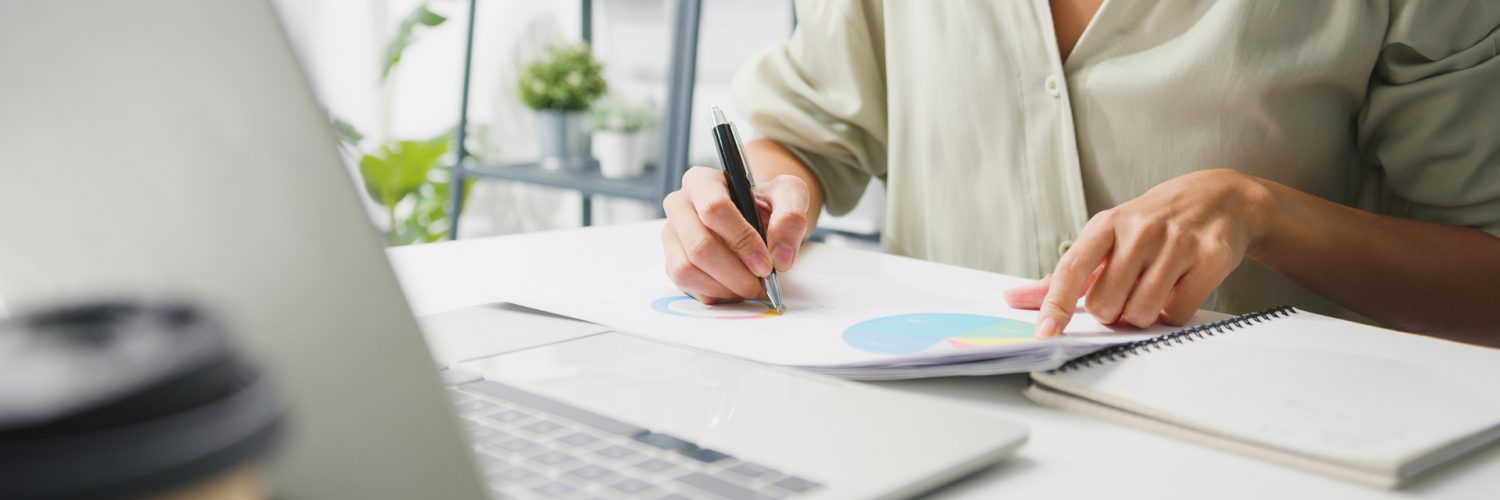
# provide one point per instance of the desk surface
(1068, 455)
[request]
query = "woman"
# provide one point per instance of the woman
(1153, 157)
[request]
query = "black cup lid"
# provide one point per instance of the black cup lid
(121, 398)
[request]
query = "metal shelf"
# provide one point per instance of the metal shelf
(588, 181)
(659, 179)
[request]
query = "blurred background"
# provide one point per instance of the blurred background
(391, 74)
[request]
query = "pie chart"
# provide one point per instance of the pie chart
(683, 305)
(910, 333)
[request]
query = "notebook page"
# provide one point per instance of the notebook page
(1311, 384)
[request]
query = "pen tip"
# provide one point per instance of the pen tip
(718, 115)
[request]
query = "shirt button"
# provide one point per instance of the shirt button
(1054, 88)
(1062, 248)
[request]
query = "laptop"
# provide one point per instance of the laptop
(173, 149)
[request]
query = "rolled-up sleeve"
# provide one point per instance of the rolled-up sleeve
(821, 94)
(1432, 116)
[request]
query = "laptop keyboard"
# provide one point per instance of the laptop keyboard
(529, 446)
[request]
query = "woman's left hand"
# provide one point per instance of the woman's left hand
(1155, 257)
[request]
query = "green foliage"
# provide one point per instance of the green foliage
(568, 78)
(399, 168)
(614, 114)
(405, 174)
(428, 220)
(347, 133)
(407, 170)
(420, 16)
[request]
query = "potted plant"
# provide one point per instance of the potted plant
(619, 140)
(561, 86)
(409, 178)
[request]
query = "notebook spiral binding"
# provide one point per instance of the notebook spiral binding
(1122, 351)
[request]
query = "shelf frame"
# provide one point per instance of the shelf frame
(588, 182)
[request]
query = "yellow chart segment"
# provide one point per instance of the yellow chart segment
(963, 342)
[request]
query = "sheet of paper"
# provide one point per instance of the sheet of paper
(831, 321)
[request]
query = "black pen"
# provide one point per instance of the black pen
(742, 191)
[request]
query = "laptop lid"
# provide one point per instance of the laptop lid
(172, 148)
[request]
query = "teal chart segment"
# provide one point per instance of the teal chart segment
(911, 333)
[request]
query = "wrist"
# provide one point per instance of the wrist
(1263, 202)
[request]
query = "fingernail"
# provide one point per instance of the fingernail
(784, 254)
(1046, 327)
(760, 265)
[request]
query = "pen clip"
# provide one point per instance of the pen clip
(739, 146)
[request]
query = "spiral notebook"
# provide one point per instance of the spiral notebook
(1347, 400)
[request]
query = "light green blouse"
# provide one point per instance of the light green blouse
(994, 153)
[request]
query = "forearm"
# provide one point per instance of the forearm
(1423, 277)
(769, 159)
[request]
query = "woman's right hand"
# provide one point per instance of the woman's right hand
(712, 252)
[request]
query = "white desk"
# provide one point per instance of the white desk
(1068, 456)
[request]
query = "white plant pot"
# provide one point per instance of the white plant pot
(619, 153)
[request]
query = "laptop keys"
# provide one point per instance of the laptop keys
(749, 470)
(796, 484)
(656, 465)
(631, 486)
(515, 474)
(513, 445)
(590, 471)
(616, 451)
(723, 488)
(533, 447)
(552, 457)
(542, 427)
(578, 439)
(685, 448)
(554, 489)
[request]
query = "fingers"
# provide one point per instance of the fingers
(1145, 304)
(706, 252)
(1213, 261)
(787, 226)
(1131, 255)
(1095, 242)
(688, 277)
(709, 198)
(1190, 293)
(1030, 295)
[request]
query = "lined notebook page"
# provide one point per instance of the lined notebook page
(1310, 384)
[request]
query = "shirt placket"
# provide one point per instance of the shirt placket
(1052, 147)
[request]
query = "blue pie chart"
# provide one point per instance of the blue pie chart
(911, 333)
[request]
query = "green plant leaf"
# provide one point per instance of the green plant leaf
(428, 220)
(399, 169)
(421, 16)
(346, 132)
(425, 17)
(377, 174)
(568, 78)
